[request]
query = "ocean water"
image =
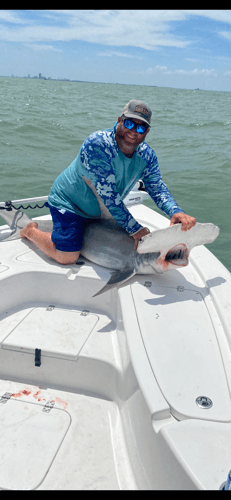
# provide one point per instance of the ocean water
(43, 124)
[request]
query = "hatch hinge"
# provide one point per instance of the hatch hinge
(5, 397)
(148, 284)
(84, 312)
(48, 406)
(50, 307)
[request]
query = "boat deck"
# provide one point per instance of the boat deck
(66, 396)
(90, 396)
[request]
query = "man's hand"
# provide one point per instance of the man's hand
(137, 236)
(186, 221)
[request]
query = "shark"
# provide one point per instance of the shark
(107, 244)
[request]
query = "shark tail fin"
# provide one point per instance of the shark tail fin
(117, 277)
(16, 221)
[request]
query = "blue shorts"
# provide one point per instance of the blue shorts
(68, 229)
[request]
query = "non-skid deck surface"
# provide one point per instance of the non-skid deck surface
(58, 440)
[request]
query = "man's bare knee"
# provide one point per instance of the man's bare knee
(66, 258)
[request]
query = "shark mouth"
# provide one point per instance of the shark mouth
(178, 255)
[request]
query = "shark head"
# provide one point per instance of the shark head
(159, 262)
(174, 245)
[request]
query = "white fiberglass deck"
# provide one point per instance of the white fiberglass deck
(76, 434)
(99, 393)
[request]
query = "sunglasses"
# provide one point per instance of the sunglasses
(141, 129)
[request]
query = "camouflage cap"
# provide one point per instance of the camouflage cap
(139, 110)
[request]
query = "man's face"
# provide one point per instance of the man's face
(128, 140)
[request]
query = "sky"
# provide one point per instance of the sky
(168, 48)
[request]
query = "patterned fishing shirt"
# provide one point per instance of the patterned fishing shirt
(101, 176)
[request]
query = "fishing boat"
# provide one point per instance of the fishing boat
(126, 390)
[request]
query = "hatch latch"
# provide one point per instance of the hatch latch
(37, 357)
(48, 406)
(5, 397)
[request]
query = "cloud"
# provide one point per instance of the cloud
(194, 72)
(226, 35)
(41, 47)
(216, 15)
(145, 29)
(111, 53)
(201, 72)
(10, 17)
(191, 59)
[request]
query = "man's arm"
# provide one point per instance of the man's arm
(157, 189)
(160, 194)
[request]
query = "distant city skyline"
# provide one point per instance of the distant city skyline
(165, 48)
(42, 77)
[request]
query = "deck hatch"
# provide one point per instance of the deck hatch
(181, 345)
(56, 332)
(30, 439)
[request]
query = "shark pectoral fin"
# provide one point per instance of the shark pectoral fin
(117, 277)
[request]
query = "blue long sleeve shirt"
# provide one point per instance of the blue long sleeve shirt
(101, 164)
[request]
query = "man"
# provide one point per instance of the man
(108, 165)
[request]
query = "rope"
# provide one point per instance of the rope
(9, 205)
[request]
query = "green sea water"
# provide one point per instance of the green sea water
(43, 124)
